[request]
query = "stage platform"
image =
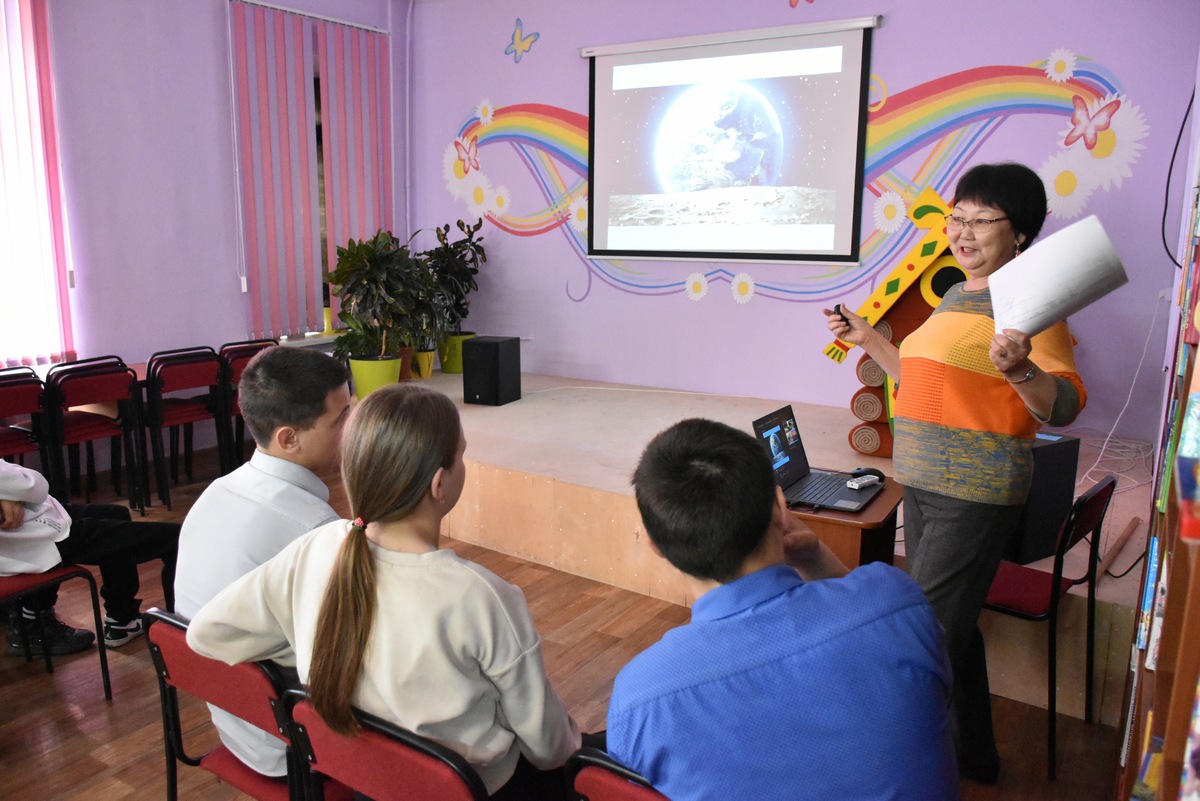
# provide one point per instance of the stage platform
(548, 480)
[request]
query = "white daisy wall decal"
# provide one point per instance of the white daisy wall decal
(478, 192)
(485, 111)
(696, 286)
(1118, 145)
(1060, 66)
(889, 212)
(1068, 183)
(742, 287)
(453, 172)
(578, 214)
(499, 201)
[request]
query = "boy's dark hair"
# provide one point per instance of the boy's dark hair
(1014, 189)
(284, 386)
(706, 494)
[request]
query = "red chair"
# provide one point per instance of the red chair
(113, 393)
(1032, 594)
(253, 691)
(21, 401)
(167, 374)
(592, 775)
(14, 588)
(382, 761)
(237, 355)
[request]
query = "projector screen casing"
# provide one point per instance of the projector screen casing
(742, 147)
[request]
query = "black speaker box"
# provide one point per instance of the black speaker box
(491, 370)
(1055, 463)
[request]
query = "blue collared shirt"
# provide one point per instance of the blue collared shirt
(780, 688)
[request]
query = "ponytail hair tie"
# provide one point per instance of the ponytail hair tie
(358, 524)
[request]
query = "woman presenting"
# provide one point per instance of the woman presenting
(968, 404)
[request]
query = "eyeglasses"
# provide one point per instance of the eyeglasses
(978, 226)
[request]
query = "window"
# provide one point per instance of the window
(36, 324)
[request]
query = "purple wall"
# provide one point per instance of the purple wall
(772, 347)
(144, 106)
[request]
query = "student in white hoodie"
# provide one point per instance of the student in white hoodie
(38, 533)
(374, 615)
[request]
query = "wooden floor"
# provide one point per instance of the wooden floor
(59, 739)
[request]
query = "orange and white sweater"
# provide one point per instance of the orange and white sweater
(961, 430)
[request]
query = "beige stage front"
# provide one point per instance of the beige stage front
(549, 481)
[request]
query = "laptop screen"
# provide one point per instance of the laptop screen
(780, 438)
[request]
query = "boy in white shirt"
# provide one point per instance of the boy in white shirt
(294, 401)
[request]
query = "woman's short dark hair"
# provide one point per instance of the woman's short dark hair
(1014, 189)
(706, 494)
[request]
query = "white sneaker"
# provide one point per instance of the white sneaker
(117, 634)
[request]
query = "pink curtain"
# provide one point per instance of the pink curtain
(276, 55)
(37, 327)
(276, 133)
(357, 136)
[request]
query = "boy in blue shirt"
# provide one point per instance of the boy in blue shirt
(794, 678)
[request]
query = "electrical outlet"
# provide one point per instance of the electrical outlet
(1162, 293)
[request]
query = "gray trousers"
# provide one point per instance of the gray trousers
(953, 548)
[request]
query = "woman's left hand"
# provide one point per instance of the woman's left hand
(1009, 351)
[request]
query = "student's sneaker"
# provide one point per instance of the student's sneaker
(59, 638)
(117, 634)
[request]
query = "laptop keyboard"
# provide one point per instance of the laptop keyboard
(819, 488)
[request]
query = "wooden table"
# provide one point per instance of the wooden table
(868, 535)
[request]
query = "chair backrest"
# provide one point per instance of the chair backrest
(170, 372)
(253, 690)
(382, 760)
(95, 383)
(595, 776)
(238, 354)
(83, 364)
(20, 393)
(1086, 517)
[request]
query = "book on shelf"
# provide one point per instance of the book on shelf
(1135, 677)
(1147, 608)
(1156, 620)
(1189, 783)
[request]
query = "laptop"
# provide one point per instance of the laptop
(803, 486)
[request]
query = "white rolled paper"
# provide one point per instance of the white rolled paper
(1055, 278)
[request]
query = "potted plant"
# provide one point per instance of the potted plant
(379, 282)
(453, 266)
(423, 330)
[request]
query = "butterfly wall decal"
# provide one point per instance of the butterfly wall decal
(468, 153)
(520, 42)
(1087, 127)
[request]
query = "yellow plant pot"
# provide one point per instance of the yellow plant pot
(371, 374)
(451, 352)
(423, 363)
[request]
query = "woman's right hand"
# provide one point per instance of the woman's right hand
(848, 326)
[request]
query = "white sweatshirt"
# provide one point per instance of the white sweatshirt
(30, 548)
(453, 653)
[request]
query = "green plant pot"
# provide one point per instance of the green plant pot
(371, 374)
(423, 363)
(451, 352)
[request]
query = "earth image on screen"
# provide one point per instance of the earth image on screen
(718, 156)
(719, 135)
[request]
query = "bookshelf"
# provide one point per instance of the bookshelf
(1161, 690)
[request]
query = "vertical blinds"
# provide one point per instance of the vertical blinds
(276, 55)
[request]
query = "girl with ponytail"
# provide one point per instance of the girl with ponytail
(375, 616)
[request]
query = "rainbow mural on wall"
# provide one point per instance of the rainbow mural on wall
(937, 126)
